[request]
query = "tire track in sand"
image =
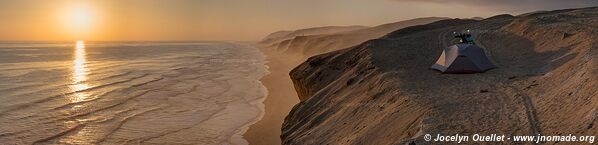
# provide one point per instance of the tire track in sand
(530, 110)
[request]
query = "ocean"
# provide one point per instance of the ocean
(129, 92)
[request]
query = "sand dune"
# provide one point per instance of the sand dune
(383, 92)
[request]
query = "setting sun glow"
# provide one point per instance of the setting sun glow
(78, 20)
(81, 18)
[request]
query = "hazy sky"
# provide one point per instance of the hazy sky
(131, 20)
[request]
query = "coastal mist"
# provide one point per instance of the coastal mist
(129, 93)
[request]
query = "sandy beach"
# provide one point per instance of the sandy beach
(280, 100)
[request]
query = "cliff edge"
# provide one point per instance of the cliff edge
(383, 92)
(321, 40)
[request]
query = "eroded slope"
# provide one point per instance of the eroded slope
(383, 92)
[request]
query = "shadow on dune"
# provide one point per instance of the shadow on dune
(475, 100)
(383, 92)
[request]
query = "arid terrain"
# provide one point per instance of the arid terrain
(305, 42)
(312, 41)
(287, 49)
(383, 92)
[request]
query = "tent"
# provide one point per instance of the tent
(463, 58)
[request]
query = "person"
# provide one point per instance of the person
(469, 39)
(464, 38)
(461, 37)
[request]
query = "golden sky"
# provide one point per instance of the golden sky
(187, 20)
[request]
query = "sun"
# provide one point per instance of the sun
(81, 18)
(78, 20)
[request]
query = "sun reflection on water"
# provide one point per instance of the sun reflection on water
(80, 72)
(78, 84)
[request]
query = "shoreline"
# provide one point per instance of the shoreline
(238, 137)
(209, 94)
(279, 101)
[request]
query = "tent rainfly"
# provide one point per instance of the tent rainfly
(463, 58)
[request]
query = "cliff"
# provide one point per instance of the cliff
(383, 92)
(279, 36)
(326, 41)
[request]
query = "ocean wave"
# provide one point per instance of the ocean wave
(189, 93)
